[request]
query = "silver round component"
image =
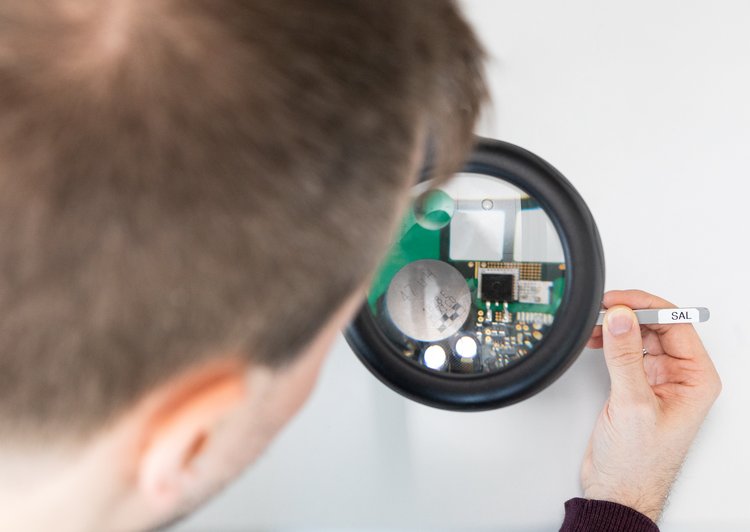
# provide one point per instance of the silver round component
(428, 300)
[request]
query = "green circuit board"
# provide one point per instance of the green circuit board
(513, 304)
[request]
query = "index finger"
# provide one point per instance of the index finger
(680, 341)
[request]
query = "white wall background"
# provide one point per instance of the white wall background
(645, 107)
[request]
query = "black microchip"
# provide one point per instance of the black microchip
(497, 287)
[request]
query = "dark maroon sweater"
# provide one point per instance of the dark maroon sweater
(584, 515)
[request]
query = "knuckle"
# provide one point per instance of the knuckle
(717, 386)
(708, 389)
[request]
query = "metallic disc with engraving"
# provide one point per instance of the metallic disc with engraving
(428, 300)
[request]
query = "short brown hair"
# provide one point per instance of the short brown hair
(181, 179)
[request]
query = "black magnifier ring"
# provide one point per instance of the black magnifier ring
(574, 320)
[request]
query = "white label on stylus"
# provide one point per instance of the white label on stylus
(679, 315)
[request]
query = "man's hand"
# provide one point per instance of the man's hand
(655, 408)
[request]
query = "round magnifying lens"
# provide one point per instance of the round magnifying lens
(490, 289)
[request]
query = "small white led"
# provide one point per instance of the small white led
(435, 357)
(466, 347)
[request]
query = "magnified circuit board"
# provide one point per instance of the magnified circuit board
(466, 315)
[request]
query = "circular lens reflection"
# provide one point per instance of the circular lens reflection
(466, 347)
(434, 209)
(435, 357)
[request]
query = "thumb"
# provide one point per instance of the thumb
(623, 352)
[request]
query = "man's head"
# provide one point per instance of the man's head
(191, 195)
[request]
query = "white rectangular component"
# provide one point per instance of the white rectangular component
(679, 315)
(537, 292)
(477, 234)
(536, 238)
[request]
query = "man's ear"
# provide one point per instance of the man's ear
(183, 417)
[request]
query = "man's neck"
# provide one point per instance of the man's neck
(45, 491)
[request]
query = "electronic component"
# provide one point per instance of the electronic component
(453, 295)
(428, 300)
(511, 304)
(537, 292)
(434, 357)
(502, 343)
(498, 285)
(466, 347)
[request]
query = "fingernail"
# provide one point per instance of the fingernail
(619, 321)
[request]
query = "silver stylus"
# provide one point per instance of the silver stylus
(667, 316)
